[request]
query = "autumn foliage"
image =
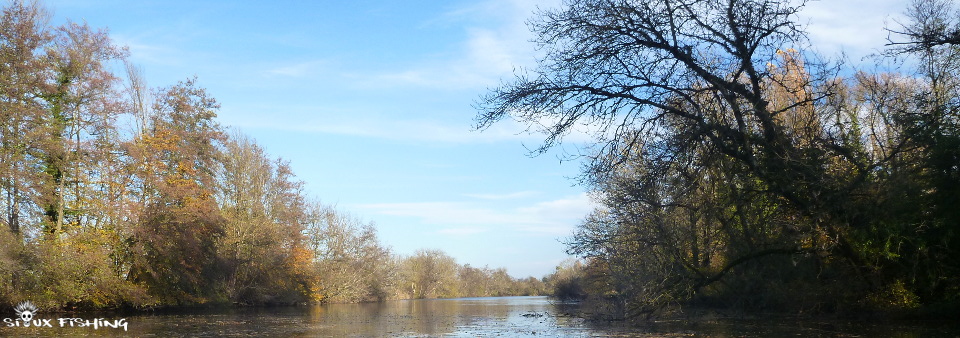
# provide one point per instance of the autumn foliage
(115, 195)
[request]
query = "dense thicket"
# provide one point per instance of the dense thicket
(115, 195)
(735, 168)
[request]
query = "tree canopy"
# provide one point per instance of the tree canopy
(736, 167)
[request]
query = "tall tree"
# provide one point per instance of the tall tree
(263, 243)
(175, 160)
(929, 179)
(82, 103)
(24, 34)
(722, 145)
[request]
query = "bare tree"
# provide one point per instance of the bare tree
(933, 23)
(626, 69)
(352, 265)
(721, 141)
(429, 274)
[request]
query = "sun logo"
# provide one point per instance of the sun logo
(26, 311)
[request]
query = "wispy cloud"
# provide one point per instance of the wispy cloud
(389, 127)
(297, 69)
(497, 41)
(150, 53)
(462, 231)
(553, 217)
(491, 52)
(507, 196)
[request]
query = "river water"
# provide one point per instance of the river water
(463, 317)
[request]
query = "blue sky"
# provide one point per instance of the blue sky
(370, 101)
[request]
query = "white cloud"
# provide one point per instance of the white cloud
(555, 217)
(299, 69)
(852, 26)
(462, 231)
(388, 127)
(489, 49)
(497, 41)
(507, 196)
(149, 53)
(442, 213)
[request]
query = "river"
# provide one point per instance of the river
(463, 317)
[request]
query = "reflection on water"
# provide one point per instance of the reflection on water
(468, 317)
(464, 317)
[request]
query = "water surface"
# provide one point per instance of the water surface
(462, 317)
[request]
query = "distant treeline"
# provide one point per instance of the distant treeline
(738, 169)
(113, 195)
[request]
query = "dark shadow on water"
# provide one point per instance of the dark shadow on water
(463, 317)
